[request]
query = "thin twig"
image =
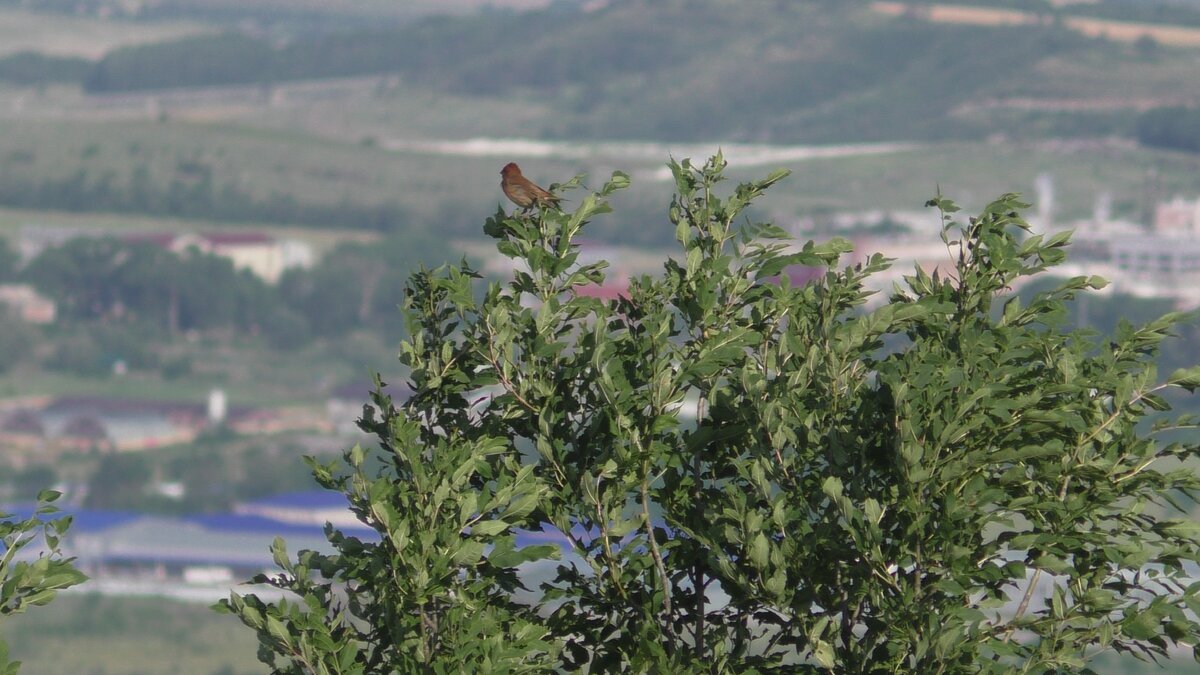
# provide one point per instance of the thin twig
(655, 553)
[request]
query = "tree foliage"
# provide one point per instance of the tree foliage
(1173, 128)
(358, 285)
(29, 581)
(179, 196)
(106, 278)
(9, 259)
(28, 67)
(931, 484)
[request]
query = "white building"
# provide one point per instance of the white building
(1162, 261)
(1178, 217)
(27, 304)
(262, 254)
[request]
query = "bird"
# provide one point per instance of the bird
(522, 191)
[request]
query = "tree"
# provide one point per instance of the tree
(106, 278)
(82, 275)
(119, 482)
(29, 482)
(17, 340)
(357, 285)
(27, 581)
(9, 260)
(1173, 128)
(930, 485)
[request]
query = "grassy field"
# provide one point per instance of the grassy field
(60, 35)
(402, 111)
(13, 220)
(93, 635)
(1144, 82)
(378, 9)
(262, 163)
(250, 373)
(443, 192)
(1121, 31)
(974, 173)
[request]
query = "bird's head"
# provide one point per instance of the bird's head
(510, 169)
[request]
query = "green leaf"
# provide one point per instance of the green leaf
(759, 550)
(1184, 529)
(1140, 625)
(504, 555)
(832, 487)
(488, 528)
(521, 507)
(619, 181)
(469, 552)
(1186, 378)
(279, 553)
(277, 630)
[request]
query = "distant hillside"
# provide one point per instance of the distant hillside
(1175, 12)
(758, 70)
(277, 17)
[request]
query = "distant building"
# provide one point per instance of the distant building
(259, 252)
(36, 238)
(53, 425)
(24, 422)
(610, 290)
(201, 557)
(22, 430)
(218, 406)
(1178, 217)
(217, 550)
(27, 304)
(1157, 259)
(85, 433)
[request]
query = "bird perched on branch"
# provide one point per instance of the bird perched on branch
(522, 191)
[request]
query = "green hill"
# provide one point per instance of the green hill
(758, 70)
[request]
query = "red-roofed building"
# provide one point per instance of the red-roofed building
(261, 253)
(608, 291)
(85, 433)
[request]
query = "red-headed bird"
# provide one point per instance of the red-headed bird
(522, 191)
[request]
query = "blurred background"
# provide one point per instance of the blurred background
(208, 209)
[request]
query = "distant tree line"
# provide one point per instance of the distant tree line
(280, 18)
(216, 471)
(215, 474)
(1172, 128)
(109, 279)
(433, 45)
(125, 291)
(28, 68)
(1174, 13)
(1141, 11)
(190, 197)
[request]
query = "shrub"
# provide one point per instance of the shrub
(931, 484)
